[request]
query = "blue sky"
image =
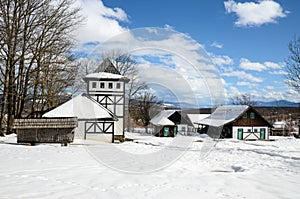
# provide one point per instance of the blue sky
(246, 40)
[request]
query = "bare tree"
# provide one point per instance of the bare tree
(35, 39)
(292, 64)
(140, 110)
(243, 99)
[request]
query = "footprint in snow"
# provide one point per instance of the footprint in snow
(238, 168)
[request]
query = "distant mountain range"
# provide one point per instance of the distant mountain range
(278, 103)
(281, 103)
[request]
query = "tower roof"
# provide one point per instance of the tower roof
(104, 76)
(108, 67)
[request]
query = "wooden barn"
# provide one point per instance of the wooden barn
(168, 123)
(41, 130)
(237, 121)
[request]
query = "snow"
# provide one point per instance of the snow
(164, 121)
(223, 115)
(196, 118)
(104, 75)
(162, 118)
(224, 169)
(279, 124)
(82, 107)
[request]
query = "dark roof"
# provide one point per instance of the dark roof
(171, 115)
(45, 123)
(108, 67)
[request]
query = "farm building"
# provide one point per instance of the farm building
(102, 109)
(280, 128)
(168, 122)
(109, 90)
(238, 121)
(92, 117)
(194, 118)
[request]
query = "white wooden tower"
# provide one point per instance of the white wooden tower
(108, 89)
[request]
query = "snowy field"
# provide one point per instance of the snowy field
(229, 169)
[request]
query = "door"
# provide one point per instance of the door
(240, 134)
(262, 134)
(175, 131)
(166, 131)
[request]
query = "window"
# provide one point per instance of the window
(102, 85)
(255, 130)
(94, 84)
(183, 129)
(245, 115)
(249, 130)
(110, 85)
(118, 86)
(252, 115)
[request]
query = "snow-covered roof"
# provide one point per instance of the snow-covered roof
(104, 75)
(82, 107)
(279, 124)
(223, 115)
(164, 122)
(197, 117)
(162, 116)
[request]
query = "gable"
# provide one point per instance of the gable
(172, 115)
(250, 117)
(177, 118)
(108, 67)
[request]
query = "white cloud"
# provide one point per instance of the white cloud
(217, 45)
(171, 59)
(101, 22)
(256, 66)
(279, 72)
(270, 87)
(255, 13)
(222, 60)
(272, 65)
(243, 75)
(249, 84)
(247, 65)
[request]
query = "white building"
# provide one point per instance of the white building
(92, 117)
(102, 109)
(237, 121)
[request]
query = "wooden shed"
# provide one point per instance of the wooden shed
(172, 121)
(51, 130)
(165, 128)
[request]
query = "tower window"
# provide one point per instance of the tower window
(118, 85)
(94, 84)
(102, 85)
(110, 85)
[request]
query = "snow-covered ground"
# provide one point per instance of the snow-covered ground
(224, 169)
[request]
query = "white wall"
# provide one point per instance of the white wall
(106, 87)
(245, 132)
(182, 129)
(79, 134)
